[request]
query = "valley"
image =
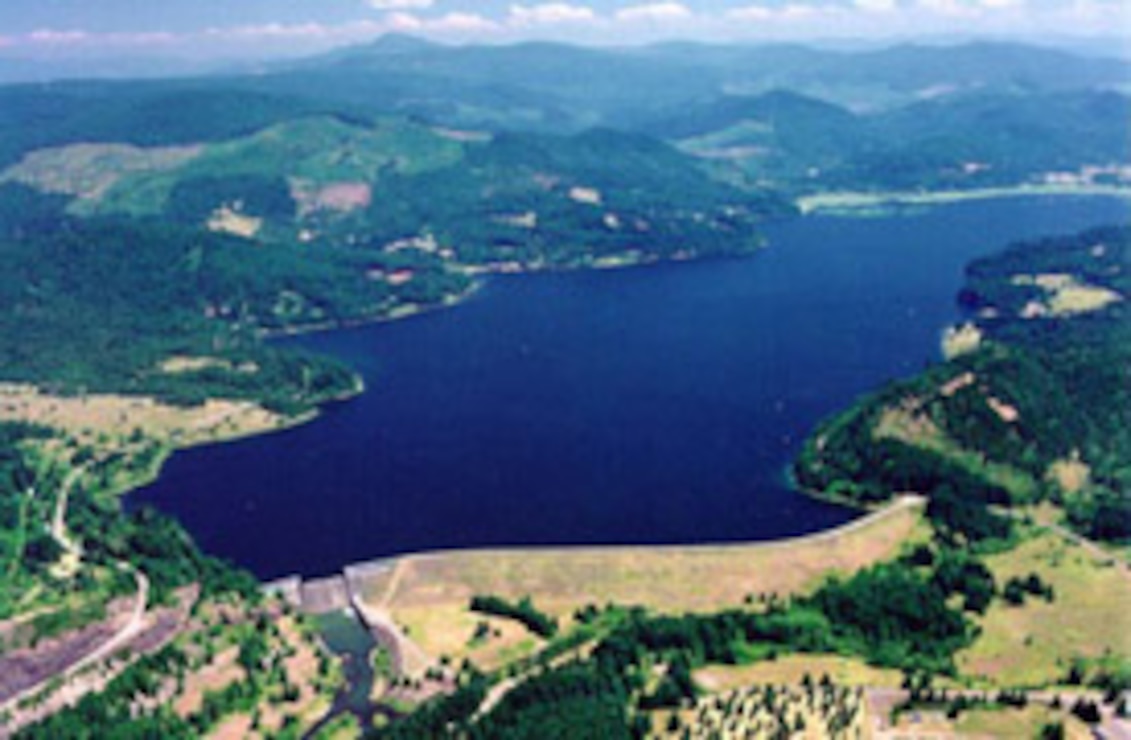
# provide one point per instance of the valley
(596, 496)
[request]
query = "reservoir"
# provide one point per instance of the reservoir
(641, 406)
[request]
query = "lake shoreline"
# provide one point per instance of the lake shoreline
(849, 202)
(854, 512)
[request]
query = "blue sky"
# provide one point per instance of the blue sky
(269, 27)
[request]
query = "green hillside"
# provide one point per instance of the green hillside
(474, 200)
(1037, 409)
(956, 142)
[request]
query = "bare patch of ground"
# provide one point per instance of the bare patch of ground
(88, 171)
(301, 668)
(1067, 296)
(227, 220)
(87, 417)
(341, 197)
(215, 676)
(157, 628)
(961, 340)
(1070, 474)
(26, 667)
(180, 364)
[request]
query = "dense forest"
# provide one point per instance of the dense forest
(96, 305)
(1039, 411)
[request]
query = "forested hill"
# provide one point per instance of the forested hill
(786, 118)
(977, 140)
(1034, 406)
(559, 84)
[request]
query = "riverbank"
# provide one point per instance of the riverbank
(858, 202)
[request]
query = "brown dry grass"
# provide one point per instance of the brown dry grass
(1071, 474)
(91, 416)
(448, 629)
(430, 593)
(236, 727)
(791, 670)
(1030, 644)
(216, 676)
(302, 670)
(1022, 724)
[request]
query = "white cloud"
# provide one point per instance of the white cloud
(400, 4)
(462, 23)
(403, 22)
(550, 14)
(950, 8)
(654, 12)
(751, 13)
(634, 21)
(792, 13)
(53, 36)
(273, 31)
(143, 38)
(876, 6)
(1002, 4)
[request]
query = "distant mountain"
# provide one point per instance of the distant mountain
(780, 116)
(778, 110)
(145, 113)
(961, 141)
(620, 85)
(14, 70)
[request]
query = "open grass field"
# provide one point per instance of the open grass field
(1022, 724)
(791, 670)
(429, 594)
(985, 723)
(1031, 645)
(92, 417)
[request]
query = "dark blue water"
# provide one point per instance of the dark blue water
(655, 405)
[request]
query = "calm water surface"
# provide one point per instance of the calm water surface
(654, 405)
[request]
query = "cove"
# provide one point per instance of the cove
(656, 405)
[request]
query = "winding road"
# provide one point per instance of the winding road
(132, 627)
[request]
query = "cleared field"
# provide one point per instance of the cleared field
(92, 417)
(1031, 644)
(791, 670)
(450, 629)
(429, 594)
(1018, 723)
